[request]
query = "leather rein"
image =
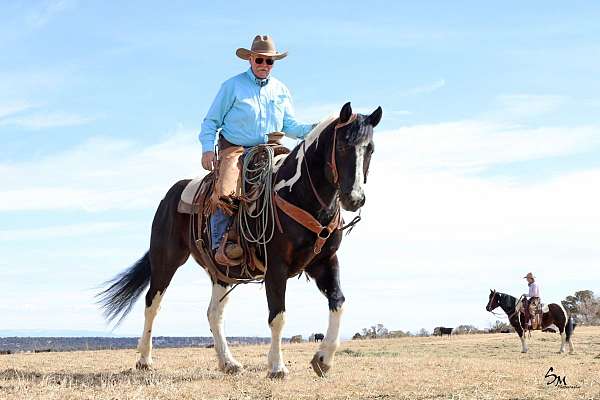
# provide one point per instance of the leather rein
(306, 219)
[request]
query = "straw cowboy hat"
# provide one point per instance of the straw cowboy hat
(529, 275)
(262, 45)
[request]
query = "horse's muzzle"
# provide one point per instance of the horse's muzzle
(351, 203)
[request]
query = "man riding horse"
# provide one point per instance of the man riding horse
(532, 304)
(246, 109)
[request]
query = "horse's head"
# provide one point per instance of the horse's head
(493, 300)
(352, 155)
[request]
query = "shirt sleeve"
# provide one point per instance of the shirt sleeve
(215, 116)
(291, 126)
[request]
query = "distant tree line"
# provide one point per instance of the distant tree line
(584, 307)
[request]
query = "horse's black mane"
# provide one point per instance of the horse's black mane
(507, 302)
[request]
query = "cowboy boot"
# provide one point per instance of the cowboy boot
(223, 259)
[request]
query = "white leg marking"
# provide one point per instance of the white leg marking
(145, 342)
(563, 339)
(227, 363)
(332, 339)
(571, 349)
(275, 359)
(524, 344)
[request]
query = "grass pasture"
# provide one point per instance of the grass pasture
(460, 367)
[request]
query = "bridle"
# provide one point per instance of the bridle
(332, 163)
(492, 302)
(304, 218)
(500, 315)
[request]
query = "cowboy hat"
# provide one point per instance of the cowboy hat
(262, 45)
(529, 275)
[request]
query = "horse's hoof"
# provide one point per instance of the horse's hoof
(277, 375)
(143, 365)
(318, 365)
(231, 367)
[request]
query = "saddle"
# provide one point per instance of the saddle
(196, 201)
(535, 316)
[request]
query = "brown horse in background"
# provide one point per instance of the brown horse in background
(552, 314)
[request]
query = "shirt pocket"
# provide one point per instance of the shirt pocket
(277, 106)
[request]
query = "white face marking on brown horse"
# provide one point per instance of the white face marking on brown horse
(357, 193)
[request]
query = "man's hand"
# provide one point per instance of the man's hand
(208, 160)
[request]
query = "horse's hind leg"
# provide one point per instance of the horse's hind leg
(326, 275)
(168, 251)
(164, 264)
(217, 304)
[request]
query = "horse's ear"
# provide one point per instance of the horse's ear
(345, 113)
(375, 117)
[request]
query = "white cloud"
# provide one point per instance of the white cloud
(47, 10)
(46, 120)
(14, 107)
(423, 89)
(518, 106)
(101, 174)
(62, 231)
(472, 144)
(432, 231)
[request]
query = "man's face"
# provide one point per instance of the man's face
(260, 66)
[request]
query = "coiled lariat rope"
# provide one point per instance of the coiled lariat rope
(256, 224)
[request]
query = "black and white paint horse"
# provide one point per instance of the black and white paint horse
(553, 314)
(325, 171)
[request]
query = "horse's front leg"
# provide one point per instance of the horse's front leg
(326, 275)
(275, 285)
(218, 301)
(518, 325)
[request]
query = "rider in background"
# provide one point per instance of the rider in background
(532, 304)
(246, 109)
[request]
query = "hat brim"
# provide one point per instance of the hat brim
(245, 54)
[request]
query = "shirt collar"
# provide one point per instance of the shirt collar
(258, 81)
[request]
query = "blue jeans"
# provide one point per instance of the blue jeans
(219, 222)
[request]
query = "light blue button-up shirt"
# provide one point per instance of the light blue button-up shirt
(247, 108)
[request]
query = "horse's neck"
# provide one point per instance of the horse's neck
(297, 187)
(508, 303)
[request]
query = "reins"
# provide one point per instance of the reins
(306, 219)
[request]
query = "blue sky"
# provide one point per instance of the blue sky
(487, 162)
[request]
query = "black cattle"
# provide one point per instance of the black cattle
(440, 330)
(319, 337)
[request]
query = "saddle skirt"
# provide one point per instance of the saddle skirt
(186, 203)
(195, 201)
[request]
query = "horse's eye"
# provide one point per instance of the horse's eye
(370, 148)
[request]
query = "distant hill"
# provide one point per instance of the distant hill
(56, 333)
(31, 343)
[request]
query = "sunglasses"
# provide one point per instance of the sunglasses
(260, 60)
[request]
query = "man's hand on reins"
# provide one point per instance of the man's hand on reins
(208, 160)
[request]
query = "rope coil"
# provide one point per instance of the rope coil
(256, 226)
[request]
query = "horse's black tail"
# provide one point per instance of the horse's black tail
(124, 290)
(570, 328)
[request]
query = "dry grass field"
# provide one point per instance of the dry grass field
(460, 367)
